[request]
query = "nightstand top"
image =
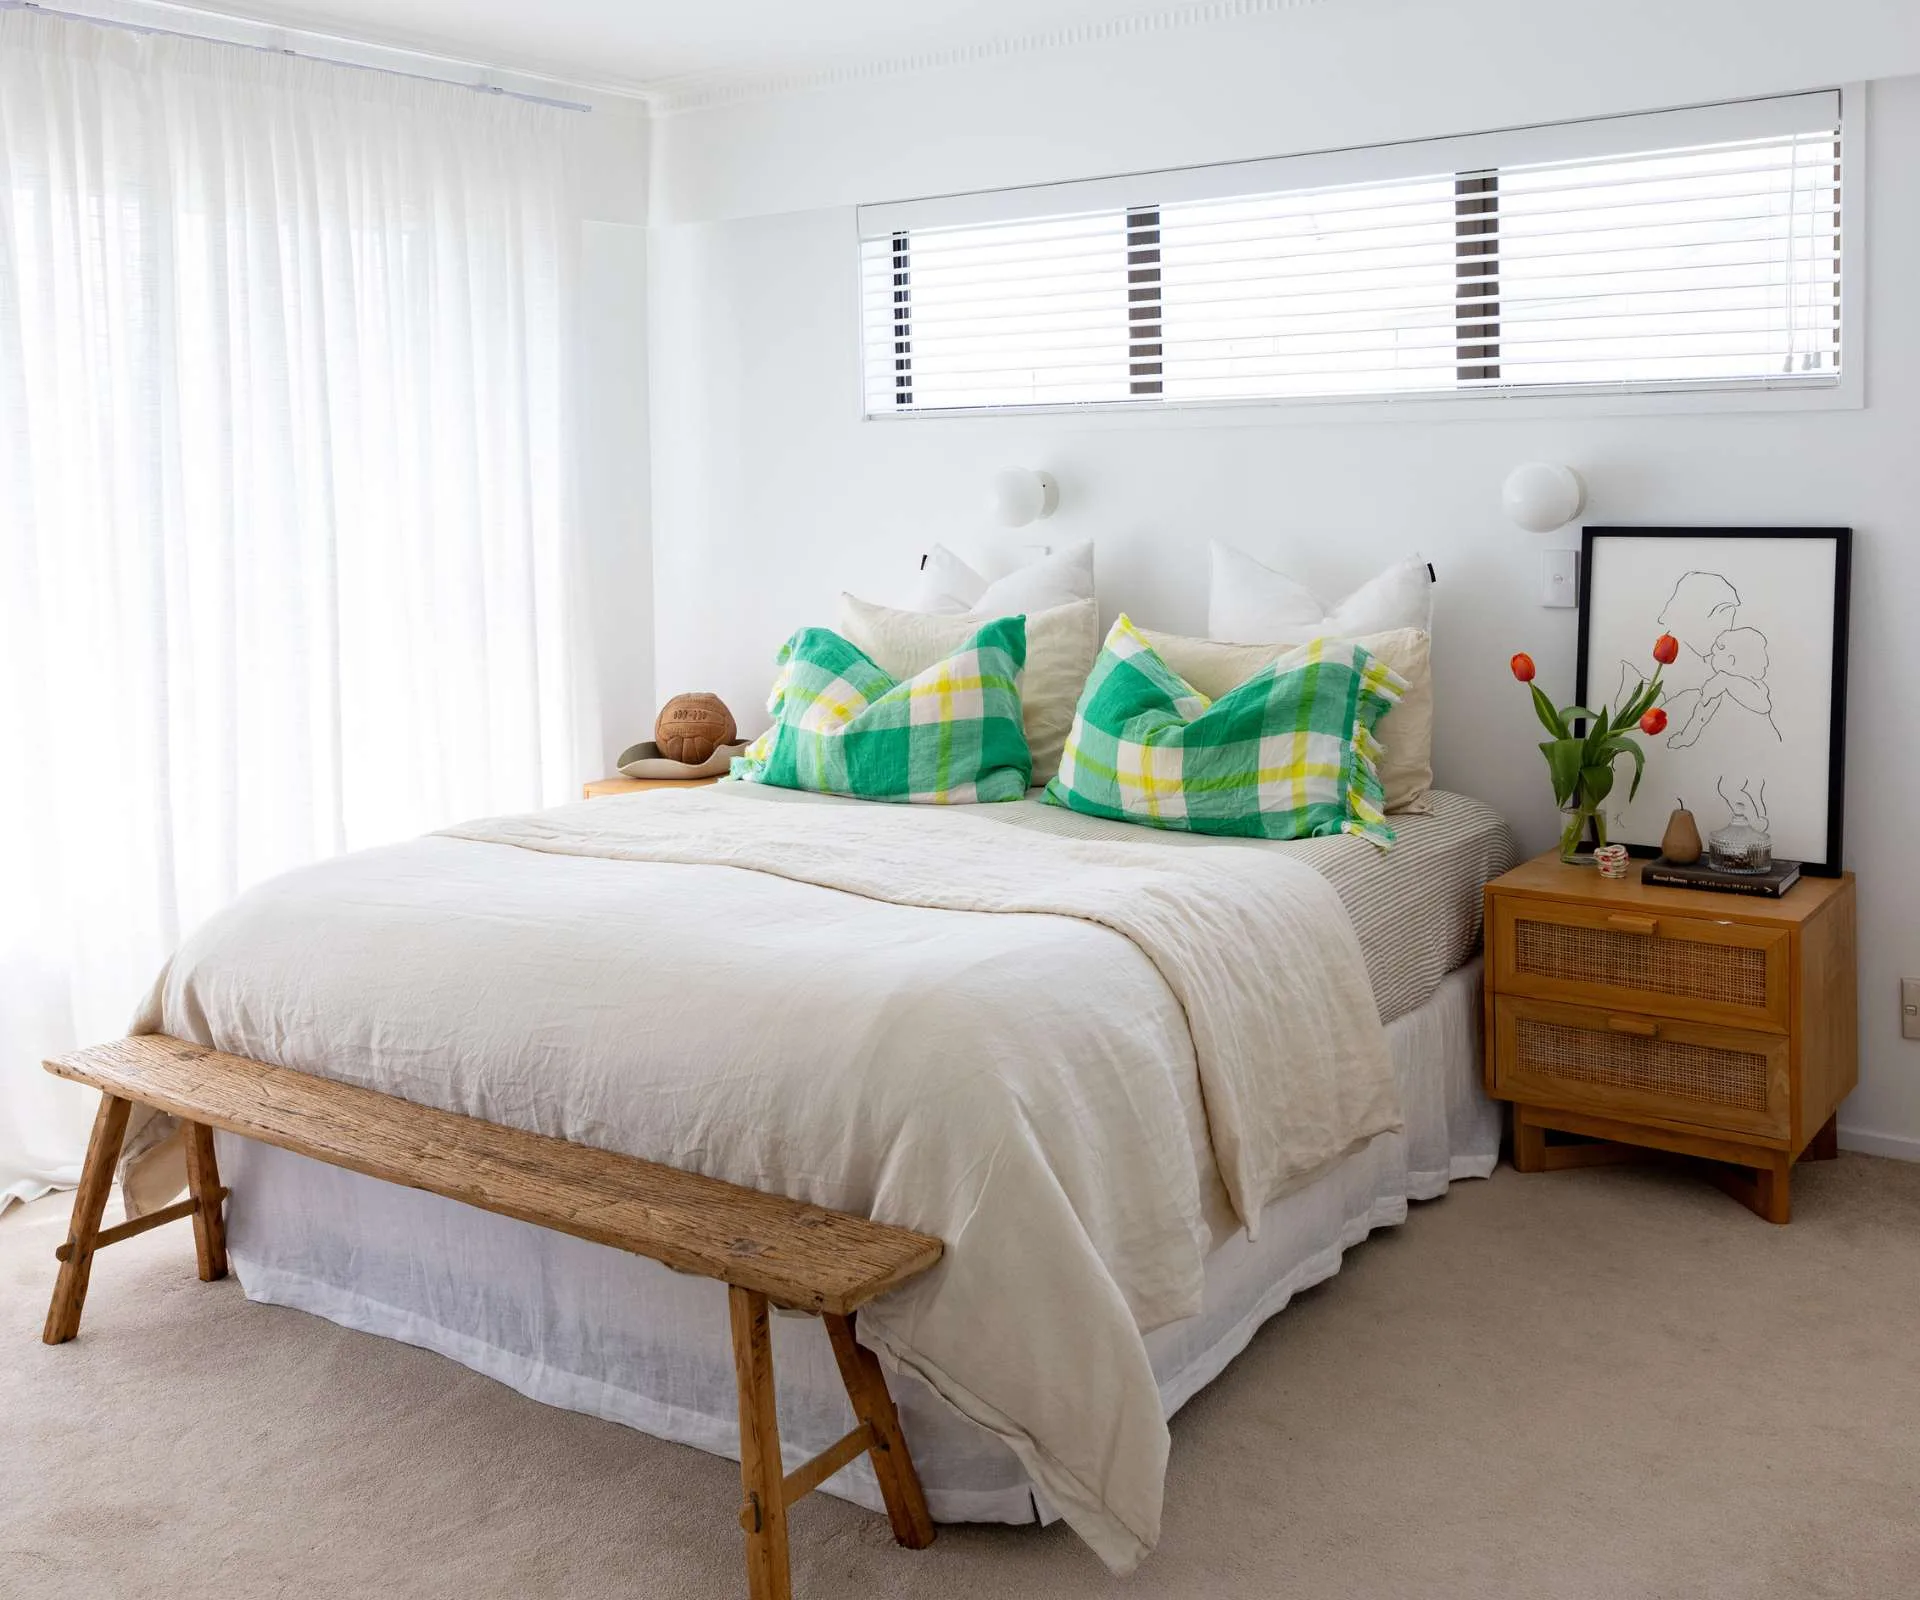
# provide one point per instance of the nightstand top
(1547, 877)
(606, 786)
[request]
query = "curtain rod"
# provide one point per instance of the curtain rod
(302, 55)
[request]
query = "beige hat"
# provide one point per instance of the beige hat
(645, 761)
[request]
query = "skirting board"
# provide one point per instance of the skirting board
(1896, 1145)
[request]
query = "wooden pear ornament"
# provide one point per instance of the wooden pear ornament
(1680, 844)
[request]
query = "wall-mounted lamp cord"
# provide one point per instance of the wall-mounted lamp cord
(271, 50)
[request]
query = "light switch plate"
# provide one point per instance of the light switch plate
(1559, 578)
(1910, 1008)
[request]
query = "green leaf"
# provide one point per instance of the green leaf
(1628, 712)
(1549, 718)
(1597, 782)
(1563, 766)
(1597, 736)
(1632, 748)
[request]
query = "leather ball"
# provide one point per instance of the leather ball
(691, 727)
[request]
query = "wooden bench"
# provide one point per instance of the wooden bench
(768, 1250)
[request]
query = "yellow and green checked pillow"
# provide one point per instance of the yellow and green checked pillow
(947, 736)
(1289, 754)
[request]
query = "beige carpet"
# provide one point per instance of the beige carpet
(1600, 1383)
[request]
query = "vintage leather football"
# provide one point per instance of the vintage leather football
(692, 726)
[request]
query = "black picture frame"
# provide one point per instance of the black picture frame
(1842, 539)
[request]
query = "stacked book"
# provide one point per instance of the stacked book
(1702, 874)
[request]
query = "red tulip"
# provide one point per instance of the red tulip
(1655, 721)
(1522, 665)
(1665, 649)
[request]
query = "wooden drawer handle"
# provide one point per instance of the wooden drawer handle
(1627, 922)
(1644, 1027)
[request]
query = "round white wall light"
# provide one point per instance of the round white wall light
(1021, 495)
(1543, 495)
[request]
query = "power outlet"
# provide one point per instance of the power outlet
(1910, 1008)
(1559, 578)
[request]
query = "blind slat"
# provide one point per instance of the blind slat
(1754, 363)
(1554, 348)
(1808, 338)
(955, 356)
(1779, 255)
(1815, 203)
(1607, 140)
(1438, 251)
(1418, 387)
(1822, 158)
(1284, 290)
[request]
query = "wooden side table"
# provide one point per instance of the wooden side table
(1637, 1019)
(607, 786)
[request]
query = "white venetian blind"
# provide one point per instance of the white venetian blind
(1686, 249)
(1012, 313)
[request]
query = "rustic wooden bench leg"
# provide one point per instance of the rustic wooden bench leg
(203, 1182)
(892, 1464)
(89, 1204)
(764, 1516)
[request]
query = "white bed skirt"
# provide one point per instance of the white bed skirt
(595, 1330)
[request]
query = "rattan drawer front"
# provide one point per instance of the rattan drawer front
(1732, 972)
(1629, 1065)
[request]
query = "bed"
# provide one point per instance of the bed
(604, 972)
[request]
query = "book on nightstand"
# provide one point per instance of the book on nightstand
(1773, 883)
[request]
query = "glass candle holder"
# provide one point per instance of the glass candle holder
(1740, 847)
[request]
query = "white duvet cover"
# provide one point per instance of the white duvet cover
(1082, 1091)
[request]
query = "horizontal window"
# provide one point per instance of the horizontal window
(1687, 249)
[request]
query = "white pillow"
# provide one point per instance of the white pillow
(949, 587)
(1405, 732)
(1062, 642)
(1251, 602)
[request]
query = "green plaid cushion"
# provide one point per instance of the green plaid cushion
(1288, 754)
(948, 736)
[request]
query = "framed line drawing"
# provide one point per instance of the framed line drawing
(1756, 701)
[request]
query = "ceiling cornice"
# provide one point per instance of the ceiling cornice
(704, 91)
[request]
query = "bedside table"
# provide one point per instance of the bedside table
(607, 786)
(1637, 1018)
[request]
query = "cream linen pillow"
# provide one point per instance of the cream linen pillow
(1405, 732)
(1061, 644)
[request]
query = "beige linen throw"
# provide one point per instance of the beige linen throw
(1059, 1055)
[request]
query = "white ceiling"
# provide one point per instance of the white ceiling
(679, 43)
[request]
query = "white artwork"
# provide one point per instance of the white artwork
(1750, 697)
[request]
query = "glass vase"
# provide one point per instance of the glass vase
(1581, 818)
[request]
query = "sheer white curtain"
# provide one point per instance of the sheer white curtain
(285, 557)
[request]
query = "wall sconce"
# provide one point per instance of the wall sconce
(1021, 495)
(1543, 495)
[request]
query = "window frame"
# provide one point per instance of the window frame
(1844, 391)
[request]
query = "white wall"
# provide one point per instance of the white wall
(613, 492)
(771, 494)
(1336, 73)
